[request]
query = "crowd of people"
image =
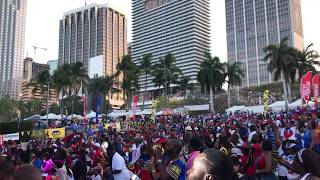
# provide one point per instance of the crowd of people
(242, 145)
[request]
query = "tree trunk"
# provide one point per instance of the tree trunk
(229, 98)
(289, 92)
(285, 90)
(211, 100)
(144, 93)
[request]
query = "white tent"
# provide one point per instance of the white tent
(277, 106)
(204, 107)
(254, 109)
(93, 115)
(75, 116)
(234, 108)
(51, 116)
(34, 117)
(298, 103)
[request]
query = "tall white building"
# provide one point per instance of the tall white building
(254, 24)
(179, 27)
(12, 38)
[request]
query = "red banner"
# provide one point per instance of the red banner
(308, 81)
(315, 85)
(135, 102)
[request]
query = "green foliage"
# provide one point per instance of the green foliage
(54, 108)
(130, 72)
(12, 127)
(8, 109)
(74, 101)
(234, 74)
(166, 72)
(307, 60)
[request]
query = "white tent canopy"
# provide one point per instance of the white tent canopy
(93, 115)
(298, 103)
(51, 116)
(204, 107)
(254, 109)
(75, 116)
(34, 117)
(234, 108)
(277, 106)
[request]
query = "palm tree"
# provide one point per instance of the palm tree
(234, 75)
(78, 76)
(166, 73)
(102, 87)
(7, 112)
(129, 71)
(184, 84)
(145, 67)
(281, 60)
(307, 60)
(211, 76)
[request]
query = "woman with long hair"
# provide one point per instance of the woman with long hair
(264, 162)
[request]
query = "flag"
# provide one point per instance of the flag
(308, 81)
(315, 87)
(135, 102)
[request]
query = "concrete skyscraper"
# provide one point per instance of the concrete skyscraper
(94, 32)
(12, 38)
(252, 25)
(181, 28)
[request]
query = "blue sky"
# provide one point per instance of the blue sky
(44, 15)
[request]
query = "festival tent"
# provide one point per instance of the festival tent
(234, 108)
(93, 115)
(34, 117)
(51, 116)
(298, 103)
(277, 106)
(204, 107)
(254, 109)
(75, 116)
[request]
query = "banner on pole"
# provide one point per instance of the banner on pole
(135, 103)
(55, 133)
(315, 85)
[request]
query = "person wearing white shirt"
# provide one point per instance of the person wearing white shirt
(119, 167)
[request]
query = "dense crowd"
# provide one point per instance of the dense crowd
(242, 145)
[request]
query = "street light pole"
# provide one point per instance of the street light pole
(48, 99)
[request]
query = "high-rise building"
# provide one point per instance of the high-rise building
(181, 28)
(254, 24)
(12, 38)
(31, 70)
(53, 65)
(94, 31)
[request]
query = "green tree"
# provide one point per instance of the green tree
(166, 73)
(8, 110)
(211, 76)
(281, 62)
(145, 68)
(102, 87)
(184, 84)
(306, 60)
(129, 71)
(234, 75)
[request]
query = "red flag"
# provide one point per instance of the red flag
(315, 87)
(308, 81)
(135, 102)
(84, 111)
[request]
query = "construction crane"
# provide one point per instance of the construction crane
(35, 47)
